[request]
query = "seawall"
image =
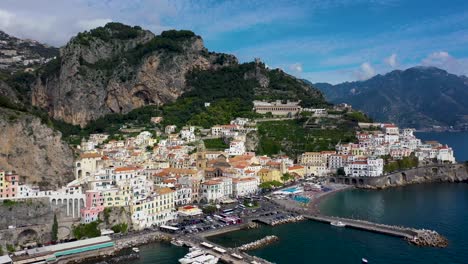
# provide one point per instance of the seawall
(431, 173)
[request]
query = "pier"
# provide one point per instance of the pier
(230, 255)
(419, 237)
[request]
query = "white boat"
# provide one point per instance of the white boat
(364, 261)
(177, 242)
(190, 257)
(136, 250)
(338, 224)
(206, 259)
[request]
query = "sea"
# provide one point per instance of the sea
(442, 207)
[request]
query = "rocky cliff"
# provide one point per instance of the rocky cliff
(32, 149)
(117, 68)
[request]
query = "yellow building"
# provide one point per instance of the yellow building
(267, 175)
(116, 197)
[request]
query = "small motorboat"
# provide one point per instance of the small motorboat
(364, 261)
(177, 242)
(136, 250)
(338, 224)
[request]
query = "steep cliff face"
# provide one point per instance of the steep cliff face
(33, 150)
(116, 68)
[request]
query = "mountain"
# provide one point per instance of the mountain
(419, 97)
(117, 68)
(18, 54)
(120, 75)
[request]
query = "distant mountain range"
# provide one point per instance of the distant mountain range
(18, 53)
(419, 97)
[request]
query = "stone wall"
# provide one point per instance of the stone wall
(433, 173)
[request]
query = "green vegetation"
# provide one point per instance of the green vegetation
(1, 250)
(291, 138)
(215, 143)
(120, 228)
(9, 203)
(340, 172)
(110, 31)
(270, 185)
(209, 209)
(169, 41)
(10, 248)
(357, 116)
(286, 87)
(401, 164)
(55, 229)
(287, 177)
(87, 230)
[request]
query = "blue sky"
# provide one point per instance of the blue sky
(320, 40)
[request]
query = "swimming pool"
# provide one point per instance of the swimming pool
(301, 199)
(291, 190)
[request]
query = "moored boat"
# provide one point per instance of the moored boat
(136, 250)
(338, 224)
(364, 261)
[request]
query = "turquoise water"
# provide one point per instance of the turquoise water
(301, 199)
(442, 207)
(457, 140)
(290, 190)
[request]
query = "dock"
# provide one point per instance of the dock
(228, 256)
(419, 237)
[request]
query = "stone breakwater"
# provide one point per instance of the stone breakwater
(259, 243)
(141, 239)
(290, 219)
(428, 238)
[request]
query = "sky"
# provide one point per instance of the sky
(319, 40)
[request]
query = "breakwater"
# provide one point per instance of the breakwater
(258, 243)
(430, 173)
(275, 220)
(141, 239)
(419, 237)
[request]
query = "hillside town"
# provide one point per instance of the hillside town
(156, 175)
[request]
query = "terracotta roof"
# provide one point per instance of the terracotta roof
(122, 169)
(295, 167)
(89, 155)
(163, 191)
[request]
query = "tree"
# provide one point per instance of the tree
(209, 209)
(286, 177)
(55, 229)
(340, 172)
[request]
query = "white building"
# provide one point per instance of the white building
(236, 148)
(245, 186)
(370, 167)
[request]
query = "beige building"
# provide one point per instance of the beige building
(277, 107)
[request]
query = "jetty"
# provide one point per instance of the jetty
(258, 243)
(419, 237)
(225, 255)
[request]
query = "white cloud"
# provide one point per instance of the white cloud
(296, 68)
(443, 60)
(392, 60)
(365, 71)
